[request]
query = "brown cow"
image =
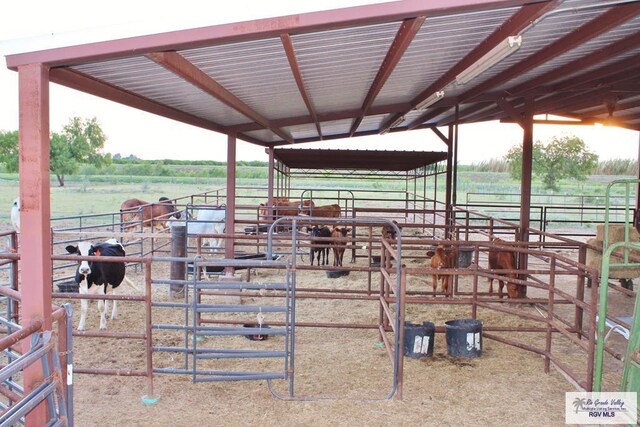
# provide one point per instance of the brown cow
(442, 258)
(339, 247)
(503, 260)
(132, 211)
(282, 206)
(327, 211)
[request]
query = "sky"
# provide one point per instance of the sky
(35, 24)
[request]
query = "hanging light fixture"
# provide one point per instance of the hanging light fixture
(491, 58)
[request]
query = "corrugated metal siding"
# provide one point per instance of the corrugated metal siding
(257, 72)
(144, 77)
(339, 66)
(438, 46)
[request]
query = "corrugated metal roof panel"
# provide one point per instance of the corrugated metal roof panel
(339, 66)
(336, 127)
(144, 77)
(595, 44)
(296, 158)
(437, 47)
(534, 39)
(256, 72)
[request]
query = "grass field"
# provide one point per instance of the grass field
(91, 194)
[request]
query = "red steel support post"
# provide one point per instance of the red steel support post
(229, 247)
(35, 239)
(270, 182)
(525, 192)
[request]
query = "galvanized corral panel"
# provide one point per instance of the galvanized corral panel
(339, 66)
(618, 33)
(257, 72)
(544, 33)
(145, 78)
(441, 42)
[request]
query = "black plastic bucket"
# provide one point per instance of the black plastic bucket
(418, 339)
(464, 337)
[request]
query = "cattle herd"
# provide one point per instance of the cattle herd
(211, 220)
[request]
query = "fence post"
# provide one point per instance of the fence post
(178, 249)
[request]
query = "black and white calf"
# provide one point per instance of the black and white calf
(100, 274)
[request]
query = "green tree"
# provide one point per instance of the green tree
(80, 142)
(562, 157)
(9, 150)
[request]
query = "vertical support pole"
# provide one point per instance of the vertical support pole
(270, 183)
(455, 158)
(525, 188)
(400, 333)
(177, 268)
(448, 180)
(406, 195)
(230, 221)
(552, 291)
(149, 326)
(35, 211)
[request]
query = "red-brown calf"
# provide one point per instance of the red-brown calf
(339, 247)
(503, 260)
(442, 258)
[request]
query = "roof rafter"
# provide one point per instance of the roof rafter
(401, 42)
(597, 26)
(520, 20)
(322, 117)
(596, 57)
(295, 69)
(178, 65)
(79, 81)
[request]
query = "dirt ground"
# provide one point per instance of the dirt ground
(342, 376)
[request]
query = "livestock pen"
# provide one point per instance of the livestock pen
(309, 318)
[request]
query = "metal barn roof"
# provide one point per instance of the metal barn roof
(373, 69)
(314, 159)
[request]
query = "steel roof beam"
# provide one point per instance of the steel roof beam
(295, 69)
(84, 83)
(601, 55)
(520, 20)
(607, 74)
(619, 107)
(178, 65)
(322, 117)
(597, 26)
(253, 30)
(401, 42)
(435, 112)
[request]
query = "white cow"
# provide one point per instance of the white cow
(208, 220)
(15, 214)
